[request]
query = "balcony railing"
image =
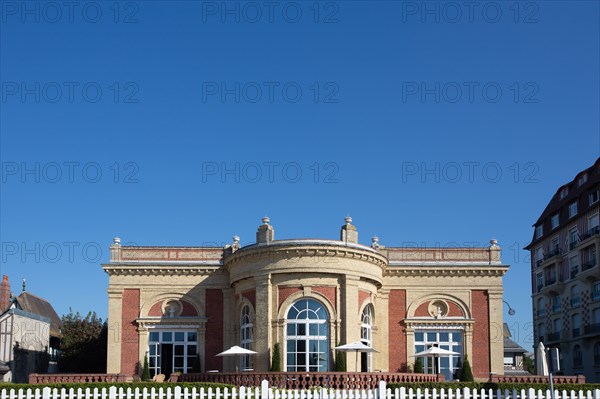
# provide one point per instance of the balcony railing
(591, 232)
(575, 301)
(576, 332)
(573, 245)
(592, 329)
(556, 307)
(588, 265)
(554, 252)
(554, 337)
(574, 271)
(550, 281)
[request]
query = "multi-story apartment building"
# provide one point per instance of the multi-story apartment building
(566, 276)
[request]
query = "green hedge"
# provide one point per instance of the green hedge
(488, 385)
(125, 385)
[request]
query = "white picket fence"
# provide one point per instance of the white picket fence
(266, 392)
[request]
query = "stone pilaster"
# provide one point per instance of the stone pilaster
(350, 317)
(115, 303)
(496, 333)
(381, 359)
(262, 328)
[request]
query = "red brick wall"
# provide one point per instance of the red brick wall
(422, 310)
(188, 309)
(454, 310)
(362, 297)
(480, 363)
(250, 295)
(397, 337)
(214, 329)
(284, 293)
(156, 310)
(329, 293)
(129, 333)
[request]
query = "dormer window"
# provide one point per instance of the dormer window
(539, 231)
(554, 221)
(572, 209)
(582, 179)
(564, 192)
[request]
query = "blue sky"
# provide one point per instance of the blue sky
(436, 123)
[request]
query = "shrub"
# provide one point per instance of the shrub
(418, 367)
(146, 371)
(466, 374)
(340, 361)
(276, 360)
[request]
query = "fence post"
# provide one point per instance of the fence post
(264, 389)
(382, 390)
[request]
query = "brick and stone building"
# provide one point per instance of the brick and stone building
(180, 304)
(565, 274)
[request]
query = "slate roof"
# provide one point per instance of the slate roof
(511, 346)
(34, 304)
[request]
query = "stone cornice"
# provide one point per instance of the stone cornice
(446, 271)
(297, 249)
(115, 269)
(431, 323)
(145, 322)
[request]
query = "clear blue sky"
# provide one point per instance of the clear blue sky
(441, 126)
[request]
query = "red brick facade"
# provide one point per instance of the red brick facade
(362, 297)
(214, 329)
(397, 337)
(188, 309)
(284, 292)
(129, 333)
(327, 292)
(481, 334)
(250, 295)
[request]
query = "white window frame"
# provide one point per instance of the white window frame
(593, 197)
(246, 337)
(554, 221)
(539, 230)
(573, 209)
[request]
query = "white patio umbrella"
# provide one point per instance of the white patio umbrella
(542, 361)
(236, 351)
(435, 352)
(356, 347)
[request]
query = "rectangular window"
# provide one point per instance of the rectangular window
(540, 281)
(539, 231)
(556, 304)
(593, 222)
(574, 262)
(573, 239)
(171, 351)
(593, 197)
(582, 179)
(596, 292)
(554, 221)
(572, 209)
(444, 339)
(564, 192)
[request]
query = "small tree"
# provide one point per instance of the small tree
(466, 374)
(276, 360)
(197, 368)
(528, 365)
(146, 371)
(418, 367)
(340, 361)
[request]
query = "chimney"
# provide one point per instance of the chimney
(265, 233)
(4, 294)
(349, 233)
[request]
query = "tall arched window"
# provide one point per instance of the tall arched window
(597, 353)
(577, 356)
(307, 344)
(245, 337)
(366, 336)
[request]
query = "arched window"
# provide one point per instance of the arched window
(307, 343)
(245, 337)
(366, 336)
(597, 353)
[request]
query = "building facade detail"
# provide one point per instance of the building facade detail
(565, 274)
(308, 295)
